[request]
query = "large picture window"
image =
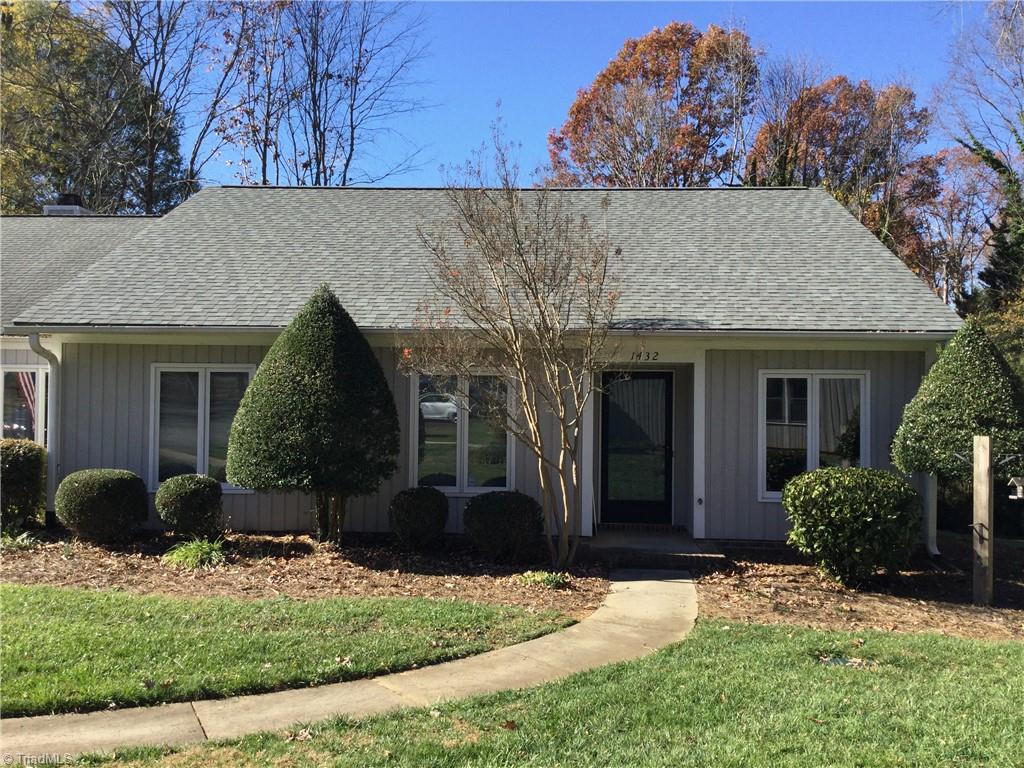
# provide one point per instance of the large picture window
(809, 419)
(459, 448)
(193, 407)
(23, 403)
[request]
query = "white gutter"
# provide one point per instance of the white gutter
(52, 412)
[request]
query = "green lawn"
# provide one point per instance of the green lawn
(730, 695)
(68, 649)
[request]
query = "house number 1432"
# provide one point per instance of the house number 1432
(643, 357)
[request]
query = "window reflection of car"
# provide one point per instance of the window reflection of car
(438, 407)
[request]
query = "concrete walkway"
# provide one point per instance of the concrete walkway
(643, 611)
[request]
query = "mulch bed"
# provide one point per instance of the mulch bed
(778, 587)
(263, 566)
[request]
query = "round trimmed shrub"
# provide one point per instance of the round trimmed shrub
(190, 505)
(103, 505)
(504, 525)
(853, 520)
(418, 517)
(22, 483)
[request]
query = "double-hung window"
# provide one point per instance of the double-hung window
(193, 407)
(810, 419)
(459, 446)
(23, 402)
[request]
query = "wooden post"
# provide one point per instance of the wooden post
(984, 499)
(931, 515)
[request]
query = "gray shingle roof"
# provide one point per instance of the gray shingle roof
(711, 259)
(39, 254)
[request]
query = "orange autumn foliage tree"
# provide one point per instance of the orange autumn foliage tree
(856, 141)
(669, 110)
(951, 198)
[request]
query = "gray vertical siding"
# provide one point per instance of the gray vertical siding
(19, 356)
(105, 415)
(733, 511)
(105, 422)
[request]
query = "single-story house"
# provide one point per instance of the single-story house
(764, 332)
(38, 255)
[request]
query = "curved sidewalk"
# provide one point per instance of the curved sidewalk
(643, 611)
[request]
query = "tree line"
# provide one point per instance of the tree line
(126, 103)
(685, 107)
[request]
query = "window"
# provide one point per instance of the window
(193, 407)
(459, 448)
(809, 419)
(23, 402)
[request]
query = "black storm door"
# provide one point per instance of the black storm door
(636, 448)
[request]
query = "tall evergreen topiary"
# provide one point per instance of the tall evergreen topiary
(318, 416)
(969, 391)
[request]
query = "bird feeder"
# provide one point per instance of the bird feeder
(1017, 483)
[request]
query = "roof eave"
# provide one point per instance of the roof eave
(939, 334)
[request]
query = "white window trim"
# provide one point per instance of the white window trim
(460, 489)
(42, 373)
(813, 377)
(202, 458)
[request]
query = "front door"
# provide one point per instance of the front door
(636, 448)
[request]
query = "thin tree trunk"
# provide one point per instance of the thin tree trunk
(567, 521)
(323, 516)
(337, 518)
(547, 505)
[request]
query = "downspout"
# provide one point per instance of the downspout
(52, 409)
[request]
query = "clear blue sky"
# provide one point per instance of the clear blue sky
(532, 57)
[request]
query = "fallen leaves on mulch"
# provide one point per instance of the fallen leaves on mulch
(776, 587)
(263, 566)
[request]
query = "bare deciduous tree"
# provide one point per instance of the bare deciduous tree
(348, 79)
(740, 76)
(985, 90)
(523, 292)
(255, 125)
(782, 82)
(172, 44)
(956, 220)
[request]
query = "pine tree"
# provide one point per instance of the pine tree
(1004, 273)
(318, 416)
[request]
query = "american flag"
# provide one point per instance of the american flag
(27, 385)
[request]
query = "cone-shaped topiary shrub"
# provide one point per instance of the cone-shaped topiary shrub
(418, 517)
(969, 391)
(852, 520)
(190, 505)
(22, 483)
(318, 416)
(103, 505)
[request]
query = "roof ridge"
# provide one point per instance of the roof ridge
(82, 216)
(523, 189)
